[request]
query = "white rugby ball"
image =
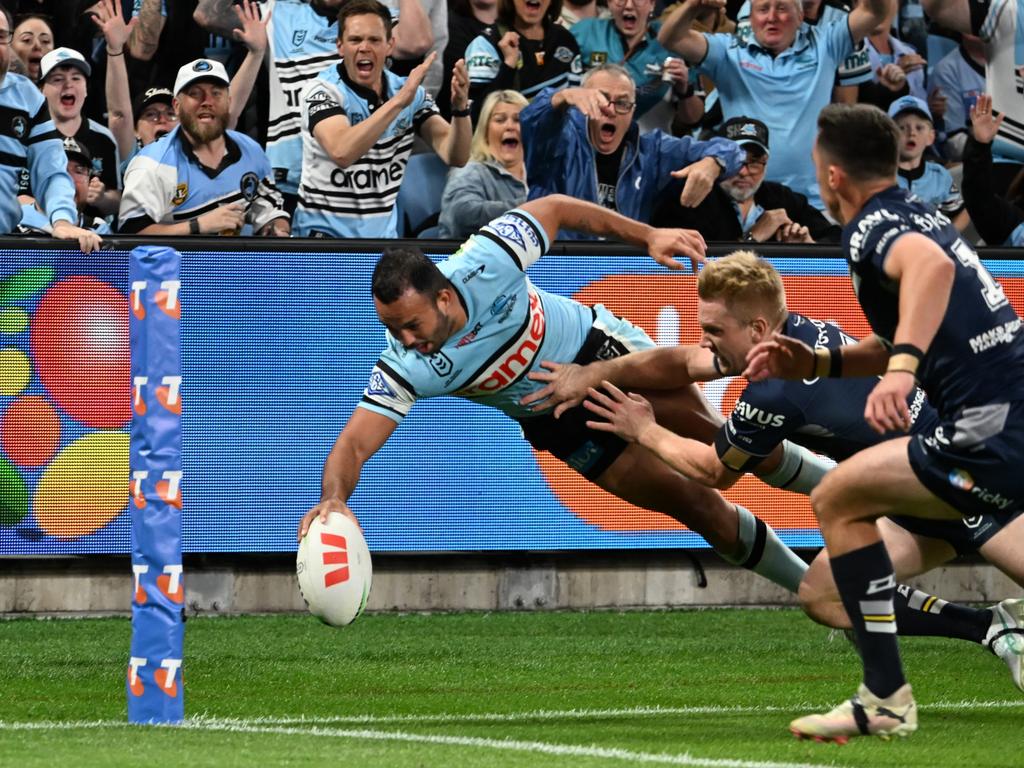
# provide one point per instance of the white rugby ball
(334, 569)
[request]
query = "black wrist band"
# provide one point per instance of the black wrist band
(461, 112)
(119, 53)
(193, 226)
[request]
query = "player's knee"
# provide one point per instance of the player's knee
(827, 499)
(812, 600)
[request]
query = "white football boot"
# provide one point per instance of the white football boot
(863, 715)
(1005, 637)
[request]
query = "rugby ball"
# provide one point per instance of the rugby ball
(334, 570)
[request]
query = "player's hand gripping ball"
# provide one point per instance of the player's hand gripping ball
(334, 570)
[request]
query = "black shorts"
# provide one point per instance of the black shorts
(568, 438)
(966, 535)
(974, 462)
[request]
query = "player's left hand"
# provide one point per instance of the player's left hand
(88, 240)
(665, 244)
(780, 357)
(625, 415)
(460, 85)
(700, 178)
(887, 409)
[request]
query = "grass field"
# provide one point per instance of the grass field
(694, 688)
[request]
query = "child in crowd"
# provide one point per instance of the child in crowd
(925, 180)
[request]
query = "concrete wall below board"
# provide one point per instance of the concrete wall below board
(254, 584)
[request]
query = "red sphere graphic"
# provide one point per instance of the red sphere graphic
(30, 431)
(81, 350)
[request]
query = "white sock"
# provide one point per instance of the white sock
(762, 552)
(799, 471)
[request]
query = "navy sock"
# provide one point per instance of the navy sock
(918, 613)
(866, 585)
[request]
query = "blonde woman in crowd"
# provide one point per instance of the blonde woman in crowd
(494, 179)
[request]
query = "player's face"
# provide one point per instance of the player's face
(607, 132)
(364, 47)
(916, 135)
(418, 321)
(33, 39)
(726, 335)
(65, 92)
(202, 109)
(156, 120)
(504, 137)
(775, 23)
(744, 184)
(631, 16)
(828, 195)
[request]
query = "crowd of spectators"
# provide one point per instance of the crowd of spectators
(299, 117)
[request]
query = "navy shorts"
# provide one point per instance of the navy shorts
(975, 463)
(966, 535)
(568, 438)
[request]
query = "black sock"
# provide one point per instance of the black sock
(918, 613)
(866, 585)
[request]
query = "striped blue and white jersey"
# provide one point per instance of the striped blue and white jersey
(357, 201)
(1000, 23)
(302, 44)
(166, 184)
(511, 327)
(931, 183)
(29, 140)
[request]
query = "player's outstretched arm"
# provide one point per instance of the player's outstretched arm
(556, 212)
(631, 417)
(363, 436)
(566, 384)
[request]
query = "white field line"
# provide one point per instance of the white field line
(537, 747)
(207, 720)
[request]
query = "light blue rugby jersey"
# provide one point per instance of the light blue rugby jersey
(357, 201)
(854, 70)
(932, 184)
(302, 45)
(166, 184)
(28, 139)
(753, 83)
(512, 326)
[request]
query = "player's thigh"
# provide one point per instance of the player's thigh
(686, 412)
(640, 478)
(875, 482)
(910, 553)
(1005, 550)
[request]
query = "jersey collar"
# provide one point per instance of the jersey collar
(367, 94)
(231, 156)
(914, 173)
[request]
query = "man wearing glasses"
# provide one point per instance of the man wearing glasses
(746, 207)
(584, 142)
(28, 139)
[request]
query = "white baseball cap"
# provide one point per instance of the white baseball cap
(200, 69)
(63, 57)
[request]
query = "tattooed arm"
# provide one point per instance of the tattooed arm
(217, 16)
(145, 36)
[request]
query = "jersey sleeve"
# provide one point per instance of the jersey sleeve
(952, 200)
(48, 165)
(838, 41)
(856, 68)
(716, 56)
(984, 16)
(149, 187)
(388, 392)
(762, 419)
(519, 235)
(424, 110)
(319, 102)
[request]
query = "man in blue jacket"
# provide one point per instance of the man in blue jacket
(584, 142)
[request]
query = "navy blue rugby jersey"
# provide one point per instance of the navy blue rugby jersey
(977, 356)
(825, 415)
